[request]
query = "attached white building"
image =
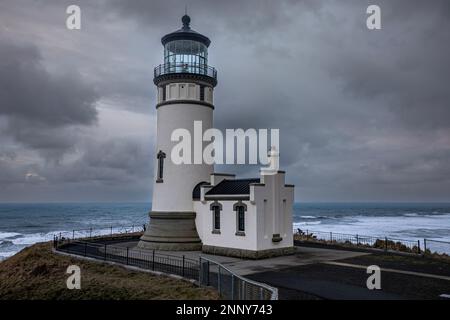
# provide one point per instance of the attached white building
(249, 218)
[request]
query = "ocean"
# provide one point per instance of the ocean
(22, 225)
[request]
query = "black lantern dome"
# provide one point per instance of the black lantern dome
(186, 54)
(186, 33)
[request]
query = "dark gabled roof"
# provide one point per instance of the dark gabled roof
(238, 186)
(196, 191)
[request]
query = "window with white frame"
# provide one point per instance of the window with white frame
(215, 209)
(240, 209)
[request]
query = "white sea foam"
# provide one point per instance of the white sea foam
(432, 227)
(5, 235)
(6, 254)
(308, 223)
(411, 214)
(30, 239)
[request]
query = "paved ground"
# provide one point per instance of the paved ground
(341, 282)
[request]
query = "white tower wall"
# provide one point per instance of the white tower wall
(174, 193)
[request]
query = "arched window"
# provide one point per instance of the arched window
(215, 209)
(161, 156)
(240, 209)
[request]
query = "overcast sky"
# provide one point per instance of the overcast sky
(363, 115)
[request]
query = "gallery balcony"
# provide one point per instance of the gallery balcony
(172, 71)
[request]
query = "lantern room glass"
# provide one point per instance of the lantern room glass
(186, 56)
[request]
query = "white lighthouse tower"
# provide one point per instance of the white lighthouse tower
(185, 86)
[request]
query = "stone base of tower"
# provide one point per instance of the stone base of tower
(171, 231)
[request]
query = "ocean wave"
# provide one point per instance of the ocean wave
(309, 223)
(6, 235)
(30, 239)
(5, 243)
(320, 217)
(411, 215)
(6, 254)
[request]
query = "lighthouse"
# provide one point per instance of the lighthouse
(194, 208)
(185, 84)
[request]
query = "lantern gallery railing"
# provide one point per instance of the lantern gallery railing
(194, 68)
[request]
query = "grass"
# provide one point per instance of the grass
(39, 274)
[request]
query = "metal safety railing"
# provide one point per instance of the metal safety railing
(181, 67)
(207, 272)
(386, 243)
(130, 256)
(98, 232)
(232, 286)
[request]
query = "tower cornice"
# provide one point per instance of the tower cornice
(163, 73)
(201, 103)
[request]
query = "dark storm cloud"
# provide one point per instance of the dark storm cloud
(406, 65)
(113, 161)
(28, 91)
(116, 170)
(41, 108)
(363, 115)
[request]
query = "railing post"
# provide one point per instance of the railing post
(73, 234)
(182, 272)
(127, 254)
(200, 271)
(207, 274)
(218, 281)
(418, 246)
(385, 243)
(232, 286)
(105, 252)
(85, 249)
(111, 230)
(307, 234)
(357, 240)
(424, 246)
(153, 260)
